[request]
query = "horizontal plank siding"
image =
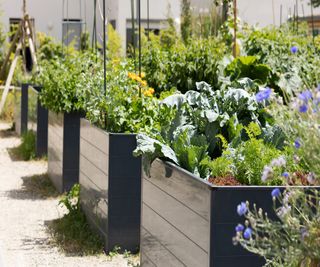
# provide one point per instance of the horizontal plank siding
(93, 178)
(17, 114)
(55, 149)
(111, 174)
(176, 213)
(32, 109)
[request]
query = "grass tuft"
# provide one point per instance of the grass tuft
(27, 149)
(40, 185)
(72, 232)
(74, 236)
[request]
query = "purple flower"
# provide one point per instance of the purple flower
(239, 228)
(303, 108)
(285, 174)
(305, 96)
(297, 143)
(247, 233)
(276, 192)
(242, 209)
(294, 49)
(263, 94)
(318, 88)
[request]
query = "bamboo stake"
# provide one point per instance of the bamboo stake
(9, 79)
(235, 29)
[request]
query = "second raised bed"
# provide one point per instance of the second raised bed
(110, 179)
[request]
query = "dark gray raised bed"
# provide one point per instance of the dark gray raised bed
(63, 149)
(21, 111)
(188, 222)
(37, 120)
(110, 179)
(30, 115)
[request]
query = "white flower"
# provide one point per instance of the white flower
(283, 211)
(266, 174)
(279, 162)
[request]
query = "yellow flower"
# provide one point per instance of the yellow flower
(143, 83)
(147, 93)
(151, 90)
(143, 75)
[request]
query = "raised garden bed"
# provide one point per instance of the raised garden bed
(21, 111)
(63, 149)
(110, 179)
(30, 115)
(189, 222)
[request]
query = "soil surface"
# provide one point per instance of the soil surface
(224, 181)
(24, 240)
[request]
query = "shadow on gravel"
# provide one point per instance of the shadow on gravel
(15, 154)
(7, 133)
(29, 243)
(35, 187)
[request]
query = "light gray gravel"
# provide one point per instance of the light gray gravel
(24, 241)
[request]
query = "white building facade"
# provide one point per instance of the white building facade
(57, 17)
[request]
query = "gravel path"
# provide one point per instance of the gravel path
(24, 241)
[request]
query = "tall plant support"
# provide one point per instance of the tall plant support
(133, 34)
(94, 31)
(22, 38)
(140, 45)
(297, 15)
(104, 55)
(148, 19)
(312, 19)
(235, 28)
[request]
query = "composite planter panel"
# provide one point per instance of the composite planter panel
(188, 222)
(37, 119)
(21, 111)
(30, 115)
(63, 149)
(110, 179)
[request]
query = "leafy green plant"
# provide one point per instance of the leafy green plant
(220, 167)
(181, 65)
(60, 77)
(189, 135)
(248, 67)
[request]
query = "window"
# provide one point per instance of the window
(71, 32)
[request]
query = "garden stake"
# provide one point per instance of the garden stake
(133, 35)
(104, 57)
(297, 15)
(139, 20)
(148, 19)
(312, 19)
(235, 29)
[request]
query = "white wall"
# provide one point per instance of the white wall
(47, 13)
(261, 11)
